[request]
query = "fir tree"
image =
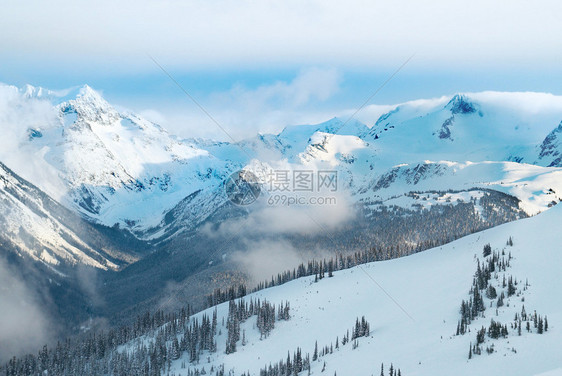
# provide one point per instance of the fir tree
(315, 355)
(487, 250)
(511, 290)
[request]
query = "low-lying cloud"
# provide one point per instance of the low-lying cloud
(269, 220)
(262, 259)
(24, 326)
(272, 239)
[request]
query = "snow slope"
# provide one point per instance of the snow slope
(429, 287)
(38, 227)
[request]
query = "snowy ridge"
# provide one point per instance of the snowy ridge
(535, 186)
(550, 148)
(29, 223)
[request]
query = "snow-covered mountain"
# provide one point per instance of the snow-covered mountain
(113, 167)
(118, 167)
(487, 126)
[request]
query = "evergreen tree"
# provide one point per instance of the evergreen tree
(315, 355)
(487, 250)
(511, 290)
(491, 292)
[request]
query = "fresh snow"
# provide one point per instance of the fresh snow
(429, 286)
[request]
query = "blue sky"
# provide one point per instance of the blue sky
(257, 66)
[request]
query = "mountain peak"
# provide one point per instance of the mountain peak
(58, 96)
(460, 104)
(89, 104)
(88, 90)
(86, 93)
(30, 91)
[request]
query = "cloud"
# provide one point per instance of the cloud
(269, 108)
(279, 219)
(198, 33)
(313, 218)
(458, 46)
(19, 114)
(310, 84)
(87, 279)
(370, 113)
(261, 260)
(23, 325)
(245, 111)
(283, 229)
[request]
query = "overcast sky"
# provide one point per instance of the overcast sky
(258, 65)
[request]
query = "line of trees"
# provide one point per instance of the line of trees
(149, 345)
(298, 363)
(482, 287)
(266, 315)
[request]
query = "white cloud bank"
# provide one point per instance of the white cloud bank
(244, 111)
(195, 33)
(19, 114)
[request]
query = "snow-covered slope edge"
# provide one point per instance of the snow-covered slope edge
(429, 287)
(35, 225)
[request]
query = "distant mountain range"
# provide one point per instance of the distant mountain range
(118, 168)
